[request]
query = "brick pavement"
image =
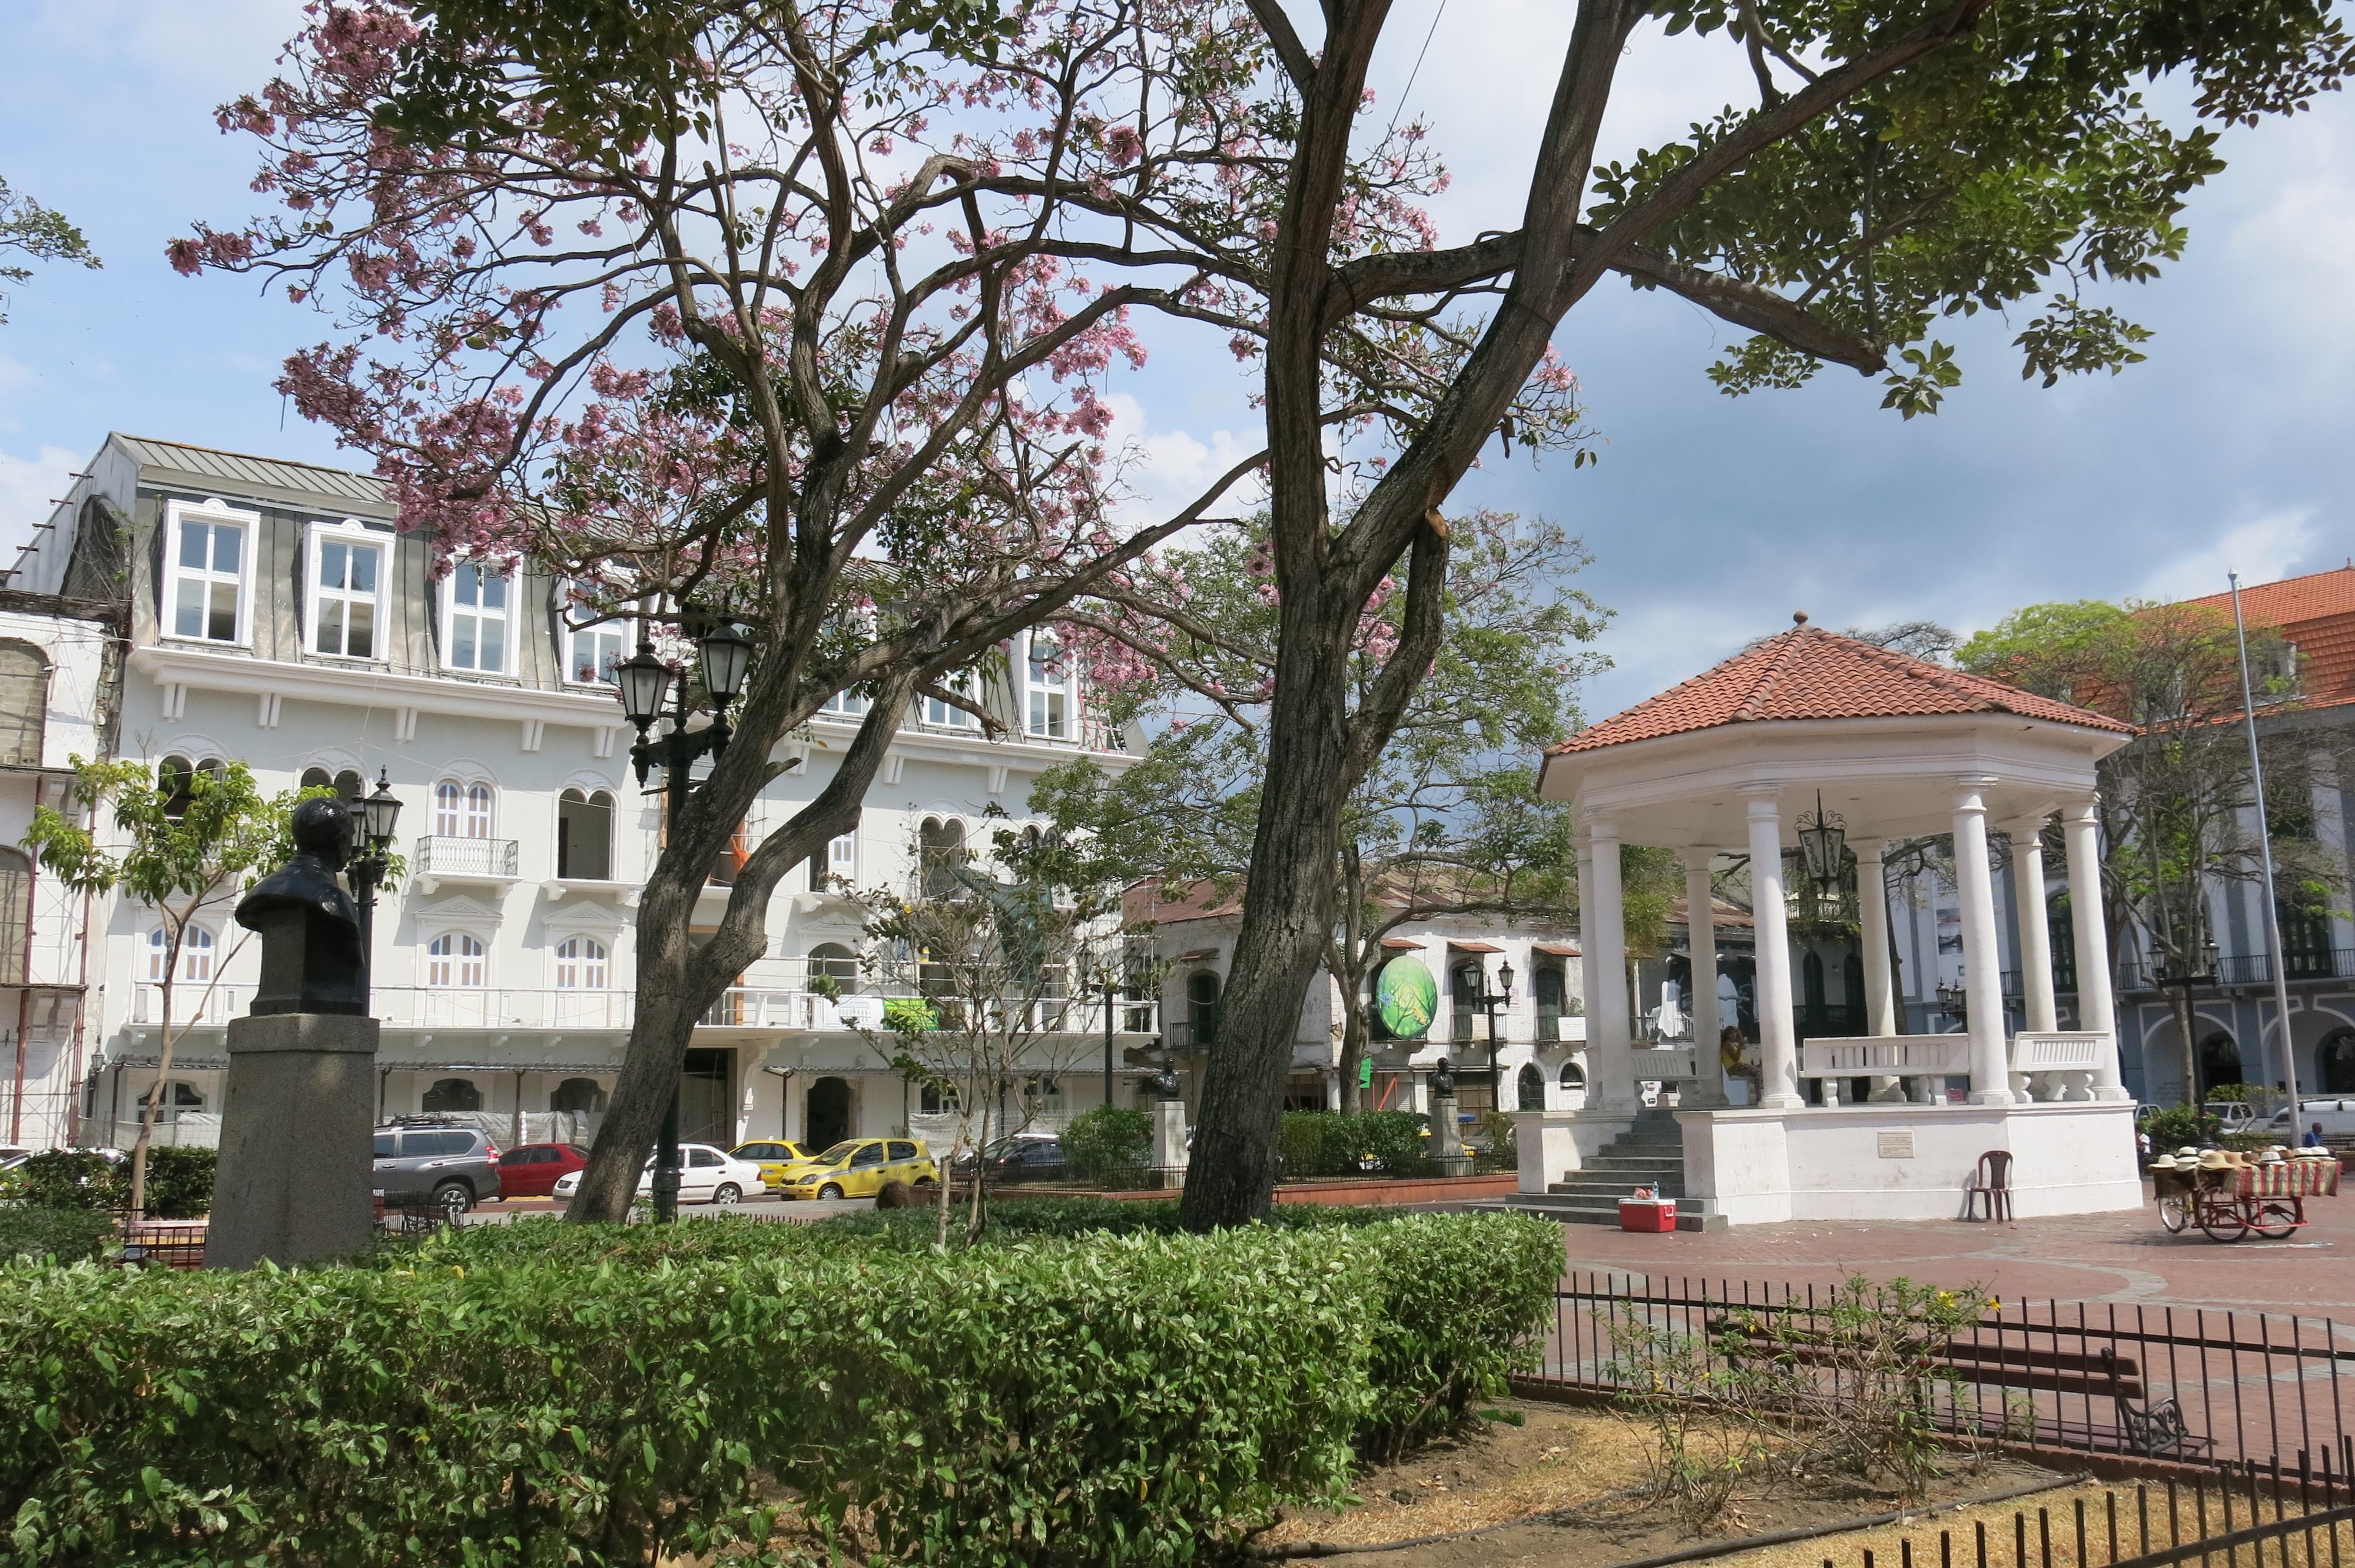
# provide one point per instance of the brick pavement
(2122, 1258)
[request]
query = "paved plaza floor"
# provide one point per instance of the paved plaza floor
(2120, 1257)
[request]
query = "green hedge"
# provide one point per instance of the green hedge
(68, 1235)
(561, 1392)
(1109, 1141)
(1322, 1143)
(179, 1182)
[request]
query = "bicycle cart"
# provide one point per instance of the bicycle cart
(2229, 1205)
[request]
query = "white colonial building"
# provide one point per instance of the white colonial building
(274, 616)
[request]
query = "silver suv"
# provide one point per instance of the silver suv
(423, 1159)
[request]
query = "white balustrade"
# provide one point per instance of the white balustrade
(2056, 1053)
(1886, 1056)
(1662, 1064)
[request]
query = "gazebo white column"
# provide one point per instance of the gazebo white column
(1982, 961)
(1778, 1046)
(2035, 928)
(1610, 1075)
(2082, 823)
(1701, 924)
(1873, 937)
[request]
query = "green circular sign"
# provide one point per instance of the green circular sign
(1406, 999)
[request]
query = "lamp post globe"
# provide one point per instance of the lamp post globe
(1505, 977)
(2210, 955)
(643, 680)
(381, 812)
(1823, 843)
(725, 654)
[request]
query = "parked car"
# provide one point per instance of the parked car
(2337, 1117)
(706, 1175)
(533, 1170)
(1025, 1156)
(857, 1167)
(772, 1156)
(419, 1161)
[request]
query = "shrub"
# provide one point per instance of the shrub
(68, 1235)
(1326, 1144)
(2174, 1127)
(542, 1391)
(179, 1182)
(1109, 1141)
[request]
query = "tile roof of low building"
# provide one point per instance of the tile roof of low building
(1809, 673)
(2317, 614)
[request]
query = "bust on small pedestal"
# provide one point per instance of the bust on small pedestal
(1447, 1151)
(1169, 1153)
(296, 1165)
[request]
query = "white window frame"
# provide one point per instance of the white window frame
(450, 610)
(842, 857)
(455, 962)
(945, 715)
(217, 513)
(624, 629)
(848, 704)
(353, 533)
(473, 804)
(198, 948)
(1034, 689)
(591, 957)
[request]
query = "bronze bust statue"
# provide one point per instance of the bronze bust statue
(1163, 1083)
(310, 930)
(1443, 1077)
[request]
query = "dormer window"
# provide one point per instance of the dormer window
(947, 714)
(207, 565)
(477, 601)
(346, 579)
(1048, 681)
(592, 647)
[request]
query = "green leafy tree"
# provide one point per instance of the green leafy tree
(2179, 801)
(1445, 821)
(183, 844)
(37, 233)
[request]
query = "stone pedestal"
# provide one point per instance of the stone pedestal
(1169, 1156)
(296, 1162)
(1447, 1150)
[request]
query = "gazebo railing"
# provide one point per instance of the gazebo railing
(1886, 1056)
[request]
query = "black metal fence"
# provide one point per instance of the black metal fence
(2197, 1386)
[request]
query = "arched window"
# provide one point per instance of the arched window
(584, 835)
(454, 959)
(938, 1100)
(1574, 1076)
(348, 785)
(580, 1096)
(939, 845)
(2335, 1057)
(836, 962)
(581, 964)
(1528, 1088)
(461, 811)
(478, 811)
(449, 1095)
(2220, 1061)
(196, 955)
(24, 703)
(1202, 1008)
(177, 1096)
(175, 780)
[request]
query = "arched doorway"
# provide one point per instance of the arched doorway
(1528, 1088)
(829, 1119)
(2220, 1062)
(451, 1094)
(2335, 1059)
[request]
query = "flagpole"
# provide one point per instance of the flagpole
(2265, 843)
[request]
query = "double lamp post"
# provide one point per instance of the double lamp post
(723, 655)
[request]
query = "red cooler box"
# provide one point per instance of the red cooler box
(1651, 1215)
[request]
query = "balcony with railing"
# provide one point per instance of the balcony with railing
(440, 858)
(2137, 972)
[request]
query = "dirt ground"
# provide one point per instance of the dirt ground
(1565, 1456)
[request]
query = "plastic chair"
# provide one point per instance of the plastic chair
(1992, 1181)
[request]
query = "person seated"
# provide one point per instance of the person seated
(2313, 1139)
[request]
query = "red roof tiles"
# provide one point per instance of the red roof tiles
(2317, 614)
(1807, 673)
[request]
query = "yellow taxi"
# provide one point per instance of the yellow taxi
(857, 1167)
(773, 1155)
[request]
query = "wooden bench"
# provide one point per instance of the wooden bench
(2144, 1425)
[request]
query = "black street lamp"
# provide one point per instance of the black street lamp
(1954, 1000)
(724, 654)
(378, 815)
(1823, 844)
(1493, 1002)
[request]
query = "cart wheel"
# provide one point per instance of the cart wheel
(2223, 1222)
(2174, 1212)
(2276, 1218)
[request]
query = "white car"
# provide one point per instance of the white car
(706, 1175)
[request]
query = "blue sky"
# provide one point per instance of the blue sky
(1711, 518)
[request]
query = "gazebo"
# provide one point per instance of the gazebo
(1866, 742)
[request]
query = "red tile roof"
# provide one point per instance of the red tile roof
(2317, 614)
(1809, 673)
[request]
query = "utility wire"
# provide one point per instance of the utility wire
(1408, 90)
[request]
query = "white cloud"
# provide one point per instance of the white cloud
(27, 488)
(1167, 469)
(2261, 550)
